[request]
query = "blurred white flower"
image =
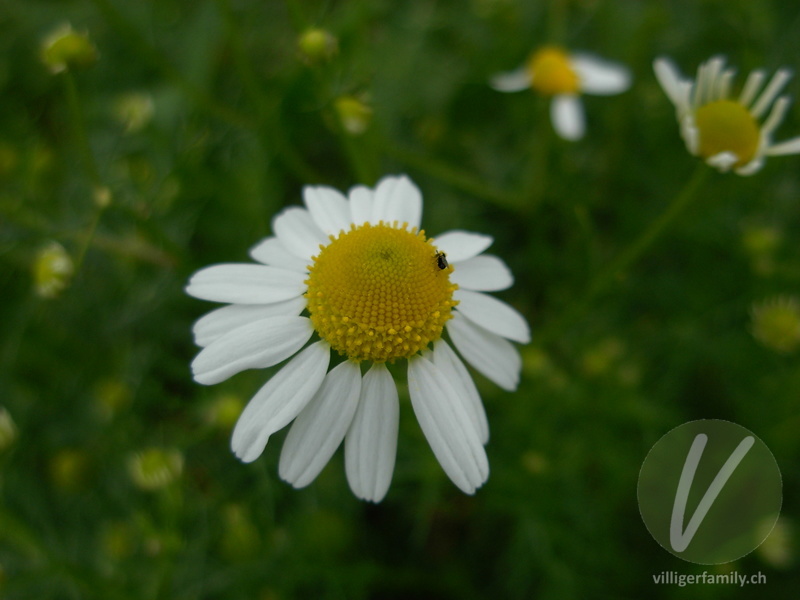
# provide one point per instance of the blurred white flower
(552, 71)
(376, 291)
(726, 131)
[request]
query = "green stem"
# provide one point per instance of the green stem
(79, 127)
(628, 256)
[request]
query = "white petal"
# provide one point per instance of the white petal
(320, 427)
(485, 273)
(566, 111)
(781, 77)
(252, 346)
(297, 231)
(690, 134)
(490, 354)
(751, 85)
(669, 77)
(493, 315)
(776, 115)
(598, 76)
(447, 425)
(328, 208)
(707, 80)
(751, 168)
(370, 447)
(448, 362)
(723, 88)
(511, 81)
(397, 199)
(246, 284)
(271, 251)
(279, 401)
(791, 146)
(723, 161)
(462, 245)
(361, 202)
(218, 322)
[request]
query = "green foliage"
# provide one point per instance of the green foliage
(199, 120)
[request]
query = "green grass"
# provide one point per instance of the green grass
(624, 349)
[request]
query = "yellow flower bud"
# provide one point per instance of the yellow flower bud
(134, 111)
(154, 468)
(65, 48)
(776, 323)
(317, 45)
(353, 114)
(52, 270)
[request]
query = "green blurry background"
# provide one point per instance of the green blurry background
(200, 120)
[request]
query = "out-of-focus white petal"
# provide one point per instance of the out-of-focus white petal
(252, 346)
(370, 447)
(690, 134)
(270, 251)
(781, 77)
(723, 161)
(397, 199)
(751, 85)
(493, 315)
(775, 116)
(279, 401)
(328, 207)
(462, 245)
(511, 81)
(484, 273)
(751, 168)
(297, 231)
(566, 111)
(447, 425)
(217, 323)
(598, 76)
(669, 77)
(320, 427)
(493, 356)
(448, 362)
(791, 146)
(246, 284)
(361, 201)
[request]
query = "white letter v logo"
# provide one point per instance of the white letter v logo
(680, 539)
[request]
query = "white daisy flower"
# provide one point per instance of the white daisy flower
(375, 290)
(722, 129)
(551, 71)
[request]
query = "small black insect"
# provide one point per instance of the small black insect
(441, 261)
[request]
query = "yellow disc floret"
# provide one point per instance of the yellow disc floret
(727, 126)
(379, 292)
(551, 72)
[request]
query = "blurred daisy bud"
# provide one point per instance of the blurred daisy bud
(69, 469)
(224, 411)
(110, 396)
(134, 111)
(776, 323)
(52, 270)
(154, 468)
(65, 48)
(317, 45)
(760, 242)
(101, 196)
(777, 550)
(8, 430)
(354, 115)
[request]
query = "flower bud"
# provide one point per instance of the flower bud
(354, 115)
(65, 48)
(52, 270)
(154, 468)
(776, 323)
(317, 45)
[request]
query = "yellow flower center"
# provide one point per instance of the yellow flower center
(379, 292)
(727, 126)
(551, 73)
